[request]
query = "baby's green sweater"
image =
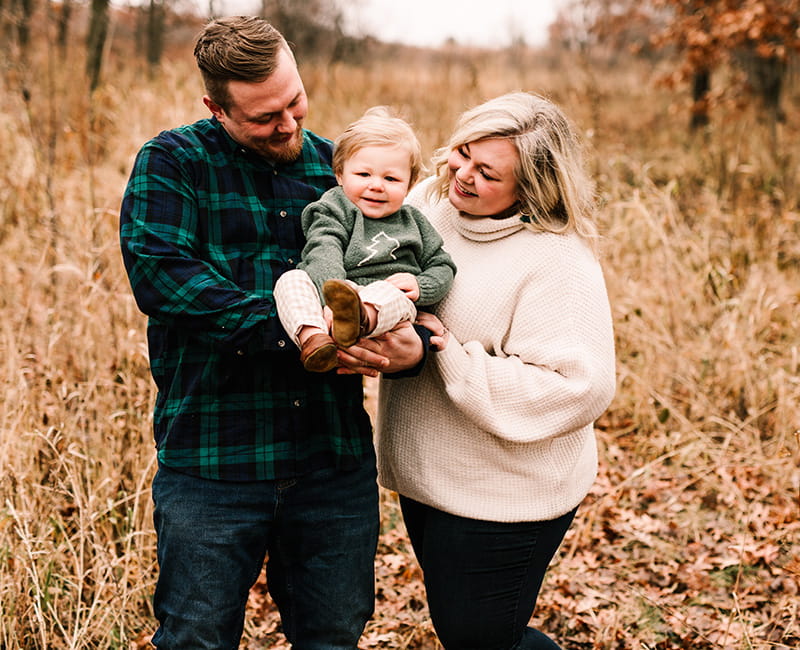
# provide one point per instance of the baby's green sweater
(342, 243)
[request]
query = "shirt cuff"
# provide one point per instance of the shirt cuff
(425, 335)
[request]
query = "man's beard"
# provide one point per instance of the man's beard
(284, 152)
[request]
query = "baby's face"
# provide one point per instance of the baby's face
(376, 179)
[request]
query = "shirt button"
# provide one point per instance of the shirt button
(274, 172)
(290, 260)
(282, 213)
(281, 343)
(296, 402)
(240, 353)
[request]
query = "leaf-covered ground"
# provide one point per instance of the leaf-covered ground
(661, 556)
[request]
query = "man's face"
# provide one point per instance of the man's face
(267, 116)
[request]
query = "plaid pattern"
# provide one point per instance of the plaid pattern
(206, 228)
(299, 304)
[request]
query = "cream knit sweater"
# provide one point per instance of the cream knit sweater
(499, 425)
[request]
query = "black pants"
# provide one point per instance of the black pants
(482, 577)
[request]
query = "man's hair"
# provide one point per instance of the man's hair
(378, 127)
(241, 48)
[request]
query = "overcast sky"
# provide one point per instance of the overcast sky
(470, 22)
(483, 23)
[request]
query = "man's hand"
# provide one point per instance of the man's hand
(398, 349)
(407, 283)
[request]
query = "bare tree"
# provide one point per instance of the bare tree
(765, 73)
(701, 87)
(63, 24)
(312, 26)
(96, 40)
(26, 8)
(155, 33)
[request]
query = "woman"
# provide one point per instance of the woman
(492, 446)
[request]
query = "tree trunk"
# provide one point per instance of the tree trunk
(96, 40)
(155, 34)
(24, 26)
(63, 25)
(701, 85)
(765, 76)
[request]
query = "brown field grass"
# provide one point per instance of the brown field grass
(690, 537)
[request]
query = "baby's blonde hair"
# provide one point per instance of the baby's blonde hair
(378, 127)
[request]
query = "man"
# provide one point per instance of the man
(256, 457)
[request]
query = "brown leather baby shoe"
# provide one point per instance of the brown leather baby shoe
(318, 353)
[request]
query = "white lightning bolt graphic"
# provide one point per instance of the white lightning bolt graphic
(381, 243)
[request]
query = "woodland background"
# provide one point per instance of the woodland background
(689, 113)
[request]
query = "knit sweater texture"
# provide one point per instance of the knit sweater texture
(342, 243)
(499, 425)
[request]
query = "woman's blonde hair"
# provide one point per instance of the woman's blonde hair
(554, 191)
(378, 127)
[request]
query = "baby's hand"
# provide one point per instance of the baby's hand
(407, 283)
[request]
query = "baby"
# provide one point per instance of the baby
(371, 258)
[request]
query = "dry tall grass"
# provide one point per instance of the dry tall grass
(690, 536)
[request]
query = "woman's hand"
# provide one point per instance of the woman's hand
(398, 349)
(440, 334)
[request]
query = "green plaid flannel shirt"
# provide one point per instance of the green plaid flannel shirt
(206, 227)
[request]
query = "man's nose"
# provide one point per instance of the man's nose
(287, 124)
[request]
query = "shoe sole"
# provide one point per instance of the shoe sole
(345, 304)
(322, 359)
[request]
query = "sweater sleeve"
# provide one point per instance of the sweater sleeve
(172, 281)
(438, 268)
(327, 235)
(554, 372)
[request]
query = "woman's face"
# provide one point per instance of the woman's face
(482, 180)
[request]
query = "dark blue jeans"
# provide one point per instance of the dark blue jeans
(482, 578)
(319, 533)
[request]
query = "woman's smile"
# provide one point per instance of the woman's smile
(461, 189)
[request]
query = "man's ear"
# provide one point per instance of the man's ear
(216, 109)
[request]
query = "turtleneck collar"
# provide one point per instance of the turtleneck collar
(485, 228)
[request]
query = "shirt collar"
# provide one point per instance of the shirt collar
(230, 145)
